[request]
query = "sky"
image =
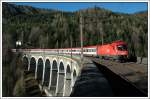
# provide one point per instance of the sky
(122, 7)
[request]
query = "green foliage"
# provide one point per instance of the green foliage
(12, 71)
(19, 89)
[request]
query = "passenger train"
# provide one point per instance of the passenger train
(116, 50)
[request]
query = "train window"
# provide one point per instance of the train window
(94, 50)
(86, 50)
(122, 47)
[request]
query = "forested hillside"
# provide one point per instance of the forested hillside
(43, 28)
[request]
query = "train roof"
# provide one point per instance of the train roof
(112, 43)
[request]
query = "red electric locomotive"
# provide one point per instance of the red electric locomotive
(116, 50)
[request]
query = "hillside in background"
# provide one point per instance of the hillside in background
(43, 28)
(141, 13)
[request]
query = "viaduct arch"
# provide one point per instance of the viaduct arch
(56, 74)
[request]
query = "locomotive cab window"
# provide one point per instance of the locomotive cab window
(122, 47)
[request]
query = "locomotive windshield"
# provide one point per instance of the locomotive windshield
(122, 47)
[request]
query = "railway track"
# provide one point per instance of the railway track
(137, 74)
